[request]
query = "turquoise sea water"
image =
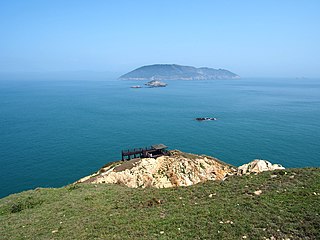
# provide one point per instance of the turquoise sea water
(55, 132)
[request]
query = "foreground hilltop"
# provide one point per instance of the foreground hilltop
(287, 208)
(248, 202)
(177, 72)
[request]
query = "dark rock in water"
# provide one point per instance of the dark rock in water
(177, 72)
(156, 83)
(206, 119)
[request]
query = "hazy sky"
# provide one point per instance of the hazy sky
(251, 38)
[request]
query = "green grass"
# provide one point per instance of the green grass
(289, 207)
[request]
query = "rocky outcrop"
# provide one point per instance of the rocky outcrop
(178, 169)
(155, 83)
(258, 166)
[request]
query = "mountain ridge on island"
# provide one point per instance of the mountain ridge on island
(177, 72)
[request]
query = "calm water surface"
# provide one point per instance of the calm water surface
(55, 132)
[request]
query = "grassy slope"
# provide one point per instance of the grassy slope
(287, 208)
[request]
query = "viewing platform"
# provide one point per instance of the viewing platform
(153, 151)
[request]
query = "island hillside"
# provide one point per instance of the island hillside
(231, 203)
(177, 72)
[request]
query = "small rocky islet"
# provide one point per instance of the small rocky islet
(155, 83)
(151, 84)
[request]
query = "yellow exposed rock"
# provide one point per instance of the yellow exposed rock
(178, 169)
(258, 166)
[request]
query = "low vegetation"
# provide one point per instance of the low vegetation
(272, 205)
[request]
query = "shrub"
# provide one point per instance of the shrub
(22, 204)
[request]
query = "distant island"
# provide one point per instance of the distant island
(177, 72)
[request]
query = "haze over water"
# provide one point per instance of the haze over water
(55, 132)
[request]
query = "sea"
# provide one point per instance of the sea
(54, 132)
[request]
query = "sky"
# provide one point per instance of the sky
(262, 38)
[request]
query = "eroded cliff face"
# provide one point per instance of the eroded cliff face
(178, 169)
